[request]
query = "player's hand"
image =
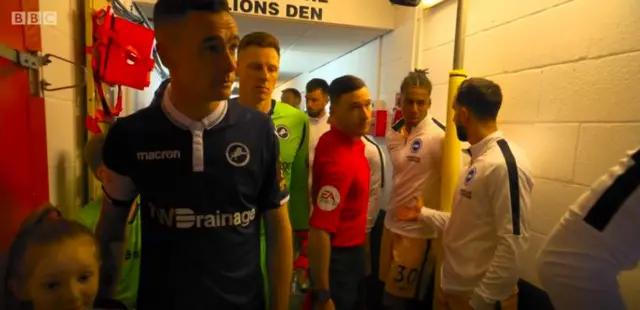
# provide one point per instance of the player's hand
(408, 213)
(325, 306)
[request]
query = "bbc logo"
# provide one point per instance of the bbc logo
(34, 18)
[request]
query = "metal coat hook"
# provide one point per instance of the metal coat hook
(46, 59)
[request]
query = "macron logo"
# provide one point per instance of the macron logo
(158, 155)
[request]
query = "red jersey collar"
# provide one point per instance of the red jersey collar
(339, 134)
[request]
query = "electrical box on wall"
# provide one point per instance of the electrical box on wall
(413, 3)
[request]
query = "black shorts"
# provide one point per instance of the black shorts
(346, 277)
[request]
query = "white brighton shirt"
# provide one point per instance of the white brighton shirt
(376, 158)
(598, 237)
(417, 166)
(487, 232)
(317, 127)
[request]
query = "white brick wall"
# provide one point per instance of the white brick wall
(568, 69)
(63, 109)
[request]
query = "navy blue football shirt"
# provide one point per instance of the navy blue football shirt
(203, 188)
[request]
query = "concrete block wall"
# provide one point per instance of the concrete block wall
(64, 108)
(568, 69)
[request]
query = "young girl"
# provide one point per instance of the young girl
(53, 264)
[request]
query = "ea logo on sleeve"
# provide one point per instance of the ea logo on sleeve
(238, 154)
(470, 175)
(282, 132)
(328, 198)
(416, 145)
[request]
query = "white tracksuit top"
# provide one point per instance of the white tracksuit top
(417, 163)
(487, 231)
(598, 237)
(317, 128)
(376, 158)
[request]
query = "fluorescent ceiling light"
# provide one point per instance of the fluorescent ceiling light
(430, 3)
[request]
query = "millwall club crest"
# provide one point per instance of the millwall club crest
(282, 132)
(238, 154)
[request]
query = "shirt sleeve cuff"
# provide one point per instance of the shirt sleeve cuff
(424, 213)
(285, 199)
(322, 225)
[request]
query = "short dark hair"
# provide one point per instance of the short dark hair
(481, 96)
(166, 11)
(344, 85)
(293, 91)
(416, 78)
(316, 84)
(259, 39)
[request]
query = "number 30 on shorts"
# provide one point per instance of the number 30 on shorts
(406, 276)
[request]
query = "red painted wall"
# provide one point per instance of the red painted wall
(24, 181)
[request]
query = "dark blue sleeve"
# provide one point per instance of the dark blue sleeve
(274, 192)
(117, 184)
(115, 150)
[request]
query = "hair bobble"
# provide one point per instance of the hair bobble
(424, 72)
(44, 213)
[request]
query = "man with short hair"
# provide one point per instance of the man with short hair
(340, 199)
(207, 172)
(317, 98)
(487, 233)
(292, 97)
(258, 68)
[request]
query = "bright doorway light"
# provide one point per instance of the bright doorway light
(430, 3)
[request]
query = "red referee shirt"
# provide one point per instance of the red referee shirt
(340, 188)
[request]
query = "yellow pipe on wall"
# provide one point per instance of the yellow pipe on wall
(90, 6)
(452, 152)
(450, 165)
(451, 149)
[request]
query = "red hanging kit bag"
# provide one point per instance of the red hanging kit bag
(121, 57)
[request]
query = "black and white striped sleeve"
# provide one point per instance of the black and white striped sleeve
(597, 238)
(509, 197)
